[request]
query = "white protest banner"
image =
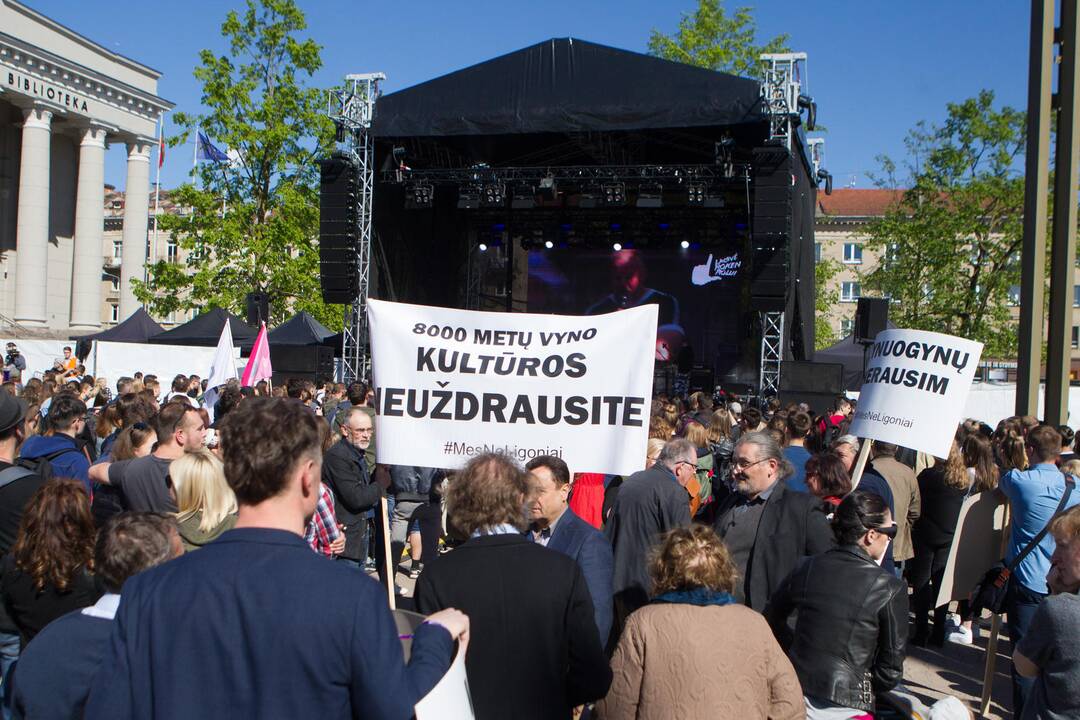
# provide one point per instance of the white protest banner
(914, 389)
(452, 384)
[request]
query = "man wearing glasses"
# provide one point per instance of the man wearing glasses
(347, 474)
(767, 528)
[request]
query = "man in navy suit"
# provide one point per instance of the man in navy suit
(256, 625)
(554, 524)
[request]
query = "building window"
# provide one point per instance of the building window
(117, 248)
(853, 253)
(847, 326)
(1076, 295)
(817, 252)
(171, 250)
(171, 318)
(1014, 295)
(850, 291)
(114, 313)
(1075, 336)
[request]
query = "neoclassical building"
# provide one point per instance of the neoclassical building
(63, 99)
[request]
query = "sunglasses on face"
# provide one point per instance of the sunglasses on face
(887, 530)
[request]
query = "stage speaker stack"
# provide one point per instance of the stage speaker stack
(871, 317)
(258, 308)
(813, 383)
(338, 229)
(307, 362)
(771, 229)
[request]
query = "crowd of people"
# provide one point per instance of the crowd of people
(159, 558)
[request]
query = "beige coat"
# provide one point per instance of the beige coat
(906, 500)
(687, 661)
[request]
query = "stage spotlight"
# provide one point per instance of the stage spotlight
(685, 244)
(420, 195)
(494, 194)
(695, 194)
(615, 194)
(826, 177)
(524, 197)
(650, 196)
(807, 103)
(616, 247)
(482, 247)
(468, 198)
(548, 244)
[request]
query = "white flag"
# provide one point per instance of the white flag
(222, 368)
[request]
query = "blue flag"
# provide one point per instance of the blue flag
(205, 150)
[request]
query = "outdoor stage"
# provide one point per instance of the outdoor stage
(570, 177)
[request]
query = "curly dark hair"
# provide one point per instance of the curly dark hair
(56, 535)
(490, 490)
(692, 557)
(262, 439)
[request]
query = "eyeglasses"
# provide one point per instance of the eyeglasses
(742, 464)
(887, 530)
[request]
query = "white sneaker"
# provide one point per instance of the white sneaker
(960, 636)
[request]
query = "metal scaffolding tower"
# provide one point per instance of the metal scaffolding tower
(772, 353)
(352, 108)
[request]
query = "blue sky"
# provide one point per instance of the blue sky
(875, 67)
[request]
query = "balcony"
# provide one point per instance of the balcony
(111, 261)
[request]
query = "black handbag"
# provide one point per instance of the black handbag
(990, 593)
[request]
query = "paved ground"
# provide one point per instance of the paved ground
(929, 673)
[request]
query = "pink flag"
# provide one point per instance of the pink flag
(258, 364)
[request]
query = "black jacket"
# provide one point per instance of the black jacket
(345, 471)
(534, 652)
(851, 627)
(412, 483)
(792, 526)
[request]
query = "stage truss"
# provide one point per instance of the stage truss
(772, 353)
(352, 108)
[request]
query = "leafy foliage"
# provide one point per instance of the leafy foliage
(826, 298)
(711, 38)
(950, 248)
(251, 224)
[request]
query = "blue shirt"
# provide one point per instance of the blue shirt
(256, 625)
(797, 455)
(1034, 495)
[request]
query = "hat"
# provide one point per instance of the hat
(12, 411)
(736, 408)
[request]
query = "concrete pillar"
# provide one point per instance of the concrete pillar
(136, 214)
(89, 229)
(32, 225)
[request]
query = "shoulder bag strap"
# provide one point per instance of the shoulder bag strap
(1069, 484)
(14, 473)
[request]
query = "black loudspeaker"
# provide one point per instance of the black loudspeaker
(820, 402)
(258, 308)
(771, 229)
(702, 379)
(310, 362)
(338, 229)
(814, 377)
(871, 317)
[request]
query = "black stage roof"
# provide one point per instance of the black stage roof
(564, 86)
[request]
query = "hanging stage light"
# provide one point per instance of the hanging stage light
(494, 194)
(614, 194)
(695, 194)
(420, 195)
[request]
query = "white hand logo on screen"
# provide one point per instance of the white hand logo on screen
(714, 270)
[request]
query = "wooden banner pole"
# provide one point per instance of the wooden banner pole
(995, 629)
(860, 464)
(391, 568)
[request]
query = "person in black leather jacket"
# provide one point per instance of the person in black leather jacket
(850, 635)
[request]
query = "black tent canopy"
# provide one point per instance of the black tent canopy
(300, 329)
(137, 328)
(568, 85)
(204, 330)
(849, 354)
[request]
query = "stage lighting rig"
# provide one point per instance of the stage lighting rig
(823, 176)
(807, 103)
(614, 194)
(420, 195)
(695, 194)
(494, 194)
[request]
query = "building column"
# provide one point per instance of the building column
(136, 214)
(89, 231)
(32, 224)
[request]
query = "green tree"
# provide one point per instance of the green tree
(825, 299)
(252, 224)
(950, 248)
(712, 38)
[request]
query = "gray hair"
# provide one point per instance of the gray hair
(847, 440)
(768, 449)
(677, 451)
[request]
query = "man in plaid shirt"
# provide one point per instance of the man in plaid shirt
(322, 532)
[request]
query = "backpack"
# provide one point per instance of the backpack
(41, 466)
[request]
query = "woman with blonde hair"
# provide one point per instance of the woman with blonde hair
(207, 505)
(694, 618)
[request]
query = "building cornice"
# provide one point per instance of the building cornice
(50, 68)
